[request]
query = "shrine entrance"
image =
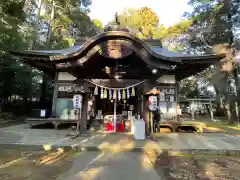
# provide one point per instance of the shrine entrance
(115, 70)
(116, 106)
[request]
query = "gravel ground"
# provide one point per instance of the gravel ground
(197, 167)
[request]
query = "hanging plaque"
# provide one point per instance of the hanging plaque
(77, 101)
(162, 96)
(72, 88)
(168, 95)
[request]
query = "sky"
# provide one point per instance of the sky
(169, 11)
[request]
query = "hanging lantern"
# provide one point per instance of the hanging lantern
(114, 94)
(123, 94)
(133, 92)
(110, 94)
(119, 94)
(105, 94)
(101, 95)
(128, 94)
(96, 91)
(107, 70)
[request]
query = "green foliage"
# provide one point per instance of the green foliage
(98, 24)
(27, 25)
(189, 88)
(143, 22)
(221, 20)
(179, 28)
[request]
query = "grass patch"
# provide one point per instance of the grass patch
(181, 154)
(220, 126)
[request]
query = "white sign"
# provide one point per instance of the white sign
(162, 96)
(77, 101)
(42, 113)
(129, 115)
(131, 107)
(71, 88)
(153, 103)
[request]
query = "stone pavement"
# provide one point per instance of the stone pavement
(111, 166)
(22, 135)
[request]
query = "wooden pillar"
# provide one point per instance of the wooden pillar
(145, 115)
(84, 114)
(177, 100)
(94, 104)
(142, 104)
(138, 103)
(55, 94)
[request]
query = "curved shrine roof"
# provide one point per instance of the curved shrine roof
(153, 47)
(157, 55)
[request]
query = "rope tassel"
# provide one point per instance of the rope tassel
(101, 95)
(96, 91)
(119, 94)
(133, 92)
(123, 94)
(105, 94)
(128, 94)
(110, 94)
(114, 94)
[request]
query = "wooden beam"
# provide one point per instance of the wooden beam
(83, 123)
(55, 94)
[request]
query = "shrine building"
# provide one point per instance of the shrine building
(114, 66)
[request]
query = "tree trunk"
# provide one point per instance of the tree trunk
(48, 46)
(229, 116)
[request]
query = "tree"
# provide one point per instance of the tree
(25, 25)
(216, 21)
(143, 22)
(98, 24)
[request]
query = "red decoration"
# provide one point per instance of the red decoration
(108, 127)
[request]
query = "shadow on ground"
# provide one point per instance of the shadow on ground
(204, 167)
(51, 126)
(114, 161)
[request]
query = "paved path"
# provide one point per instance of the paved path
(111, 166)
(21, 134)
(195, 141)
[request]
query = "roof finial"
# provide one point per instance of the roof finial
(116, 19)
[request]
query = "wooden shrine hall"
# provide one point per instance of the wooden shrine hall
(115, 66)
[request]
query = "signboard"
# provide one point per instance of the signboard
(168, 95)
(131, 107)
(153, 103)
(71, 88)
(77, 101)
